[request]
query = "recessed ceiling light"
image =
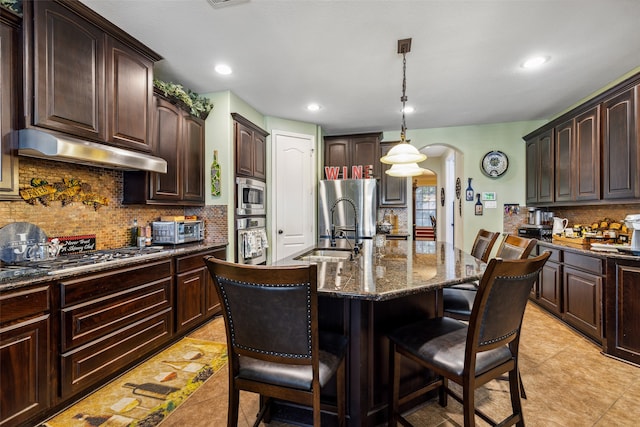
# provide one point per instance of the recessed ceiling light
(223, 69)
(313, 107)
(535, 62)
(408, 109)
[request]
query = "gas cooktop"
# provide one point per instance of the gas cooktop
(83, 261)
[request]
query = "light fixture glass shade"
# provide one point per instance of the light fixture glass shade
(404, 169)
(402, 153)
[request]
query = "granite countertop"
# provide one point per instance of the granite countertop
(397, 269)
(167, 252)
(590, 252)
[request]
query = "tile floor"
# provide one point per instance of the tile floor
(567, 380)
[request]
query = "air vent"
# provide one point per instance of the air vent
(222, 3)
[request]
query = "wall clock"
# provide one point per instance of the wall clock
(494, 164)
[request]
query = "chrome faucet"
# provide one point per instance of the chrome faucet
(355, 248)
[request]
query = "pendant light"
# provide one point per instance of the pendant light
(404, 157)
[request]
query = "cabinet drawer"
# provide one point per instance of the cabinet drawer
(193, 261)
(20, 304)
(87, 288)
(102, 358)
(556, 254)
(584, 262)
(94, 319)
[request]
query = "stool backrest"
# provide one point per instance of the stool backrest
(515, 247)
(483, 244)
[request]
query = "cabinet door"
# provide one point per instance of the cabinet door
(582, 301)
(8, 102)
(532, 171)
(190, 299)
(192, 159)
(259, 156)
(244, 150)
(129, 96)
(545, 167)
(366, 153)
(623, 309)
(212, 301)
(337, 154)
(68, 64)
(550, 287)
(564, 155)
(587, 156)
(24, 369)
(393, 189)
(166, 144)
(620, 147)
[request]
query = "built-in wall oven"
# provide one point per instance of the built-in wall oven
(250, 197)
(252, 244)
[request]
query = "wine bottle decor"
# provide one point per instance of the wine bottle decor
(479, 207)
(469, 192)
(215, 175)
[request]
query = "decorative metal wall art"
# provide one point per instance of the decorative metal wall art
(66, 191)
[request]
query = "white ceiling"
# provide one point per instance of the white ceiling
(463, 68)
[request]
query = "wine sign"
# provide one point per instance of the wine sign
(357, 172)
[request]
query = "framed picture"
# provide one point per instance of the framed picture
(489, 196)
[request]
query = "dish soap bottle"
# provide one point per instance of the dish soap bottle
(215, 175)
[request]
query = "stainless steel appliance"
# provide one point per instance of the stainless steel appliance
(252, 240)
(540, 232)
(251, 197)
(177, 232)
(347, 207)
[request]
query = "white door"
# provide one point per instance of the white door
(294, 193)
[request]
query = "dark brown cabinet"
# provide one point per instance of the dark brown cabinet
(196, 297)
(393, 189)
(571, 286)
(106, 94)
(620, 146)
(251, 148)
(178, 137)
(9, 95)
(540, 163)
(577, 158)
(110, 320)
(346, 152)
(25, 359)
(623, 309)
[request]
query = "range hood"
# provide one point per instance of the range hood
(53, 146)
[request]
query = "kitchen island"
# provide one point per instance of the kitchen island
(387, 285)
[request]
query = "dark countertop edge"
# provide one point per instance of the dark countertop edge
(168, 252)
(597, 254)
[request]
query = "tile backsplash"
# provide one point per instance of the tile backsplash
(110, 223)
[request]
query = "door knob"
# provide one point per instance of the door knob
(280, 231)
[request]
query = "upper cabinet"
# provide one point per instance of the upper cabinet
(620, 148)
(177, 137)
(346, 152)
(590, 154)
(9, 96)
(393, 189)
(90, 79)
(251, 148)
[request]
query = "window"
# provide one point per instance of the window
(425, 205)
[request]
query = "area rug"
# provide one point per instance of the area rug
(146, 395)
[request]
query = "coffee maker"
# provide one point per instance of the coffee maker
(633, 224)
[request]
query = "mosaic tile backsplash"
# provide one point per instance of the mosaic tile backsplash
(111, 223)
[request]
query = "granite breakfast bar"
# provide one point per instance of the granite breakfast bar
(383, 288)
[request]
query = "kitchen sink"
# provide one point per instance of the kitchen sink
(326, 255)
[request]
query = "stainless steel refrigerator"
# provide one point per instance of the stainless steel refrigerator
(338, 196)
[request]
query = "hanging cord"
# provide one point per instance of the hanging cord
(403, 131)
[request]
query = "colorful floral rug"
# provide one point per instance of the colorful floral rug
(144, 396)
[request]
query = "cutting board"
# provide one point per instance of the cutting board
(19, 241)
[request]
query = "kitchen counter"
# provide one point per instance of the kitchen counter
(590, 252)
(398, 268)
(38, 276)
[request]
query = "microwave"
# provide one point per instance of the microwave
(251, 197)
(177, 232)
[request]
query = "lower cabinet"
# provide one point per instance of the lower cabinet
(196, 298)
(623, 309)
(110, 321)
(25, 360)
(571, 286)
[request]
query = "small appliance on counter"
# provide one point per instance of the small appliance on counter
(632, 222)
(539, 232)
(177, 232)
